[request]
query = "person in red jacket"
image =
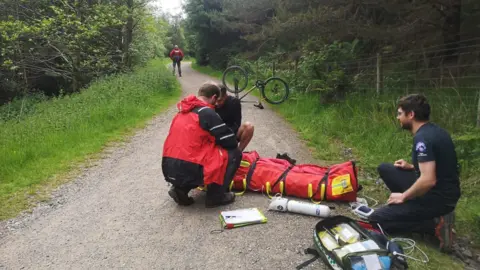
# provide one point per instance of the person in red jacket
(200, 150)
(177, 56)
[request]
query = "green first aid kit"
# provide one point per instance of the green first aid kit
(341, 243)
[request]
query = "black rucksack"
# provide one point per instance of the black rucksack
(366, 249)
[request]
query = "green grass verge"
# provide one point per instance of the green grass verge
(371, 131)
(40, 148)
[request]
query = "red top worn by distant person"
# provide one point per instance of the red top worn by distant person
(176, 54)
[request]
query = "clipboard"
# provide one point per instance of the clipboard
(241, 217)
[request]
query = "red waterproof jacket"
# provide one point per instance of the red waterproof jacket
(176, 54)
(195, 151)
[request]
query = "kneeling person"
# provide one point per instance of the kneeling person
(425, 193)
(230, 110)
(200, 150)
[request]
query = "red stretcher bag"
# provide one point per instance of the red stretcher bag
(337, 182)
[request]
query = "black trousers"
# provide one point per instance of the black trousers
(215, 191)
(234, 159)
(415, 215)
(178, 64)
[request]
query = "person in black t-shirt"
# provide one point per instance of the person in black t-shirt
(425, 193)
(230, 110)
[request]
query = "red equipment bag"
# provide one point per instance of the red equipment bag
(319, 183)
(239, 180)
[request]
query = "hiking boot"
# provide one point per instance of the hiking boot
(180, 196)
(214, 201)
(444, 231)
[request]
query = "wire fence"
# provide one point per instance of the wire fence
(449, 76)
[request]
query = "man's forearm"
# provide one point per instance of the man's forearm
(419, 188)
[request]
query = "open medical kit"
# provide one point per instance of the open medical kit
(341, 243)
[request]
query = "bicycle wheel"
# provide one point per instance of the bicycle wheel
(232, 74)
(275, 90)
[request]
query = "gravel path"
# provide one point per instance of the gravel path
(117, 214)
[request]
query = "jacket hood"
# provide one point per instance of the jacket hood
(191, 102)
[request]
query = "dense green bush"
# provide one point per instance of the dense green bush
(40, 139)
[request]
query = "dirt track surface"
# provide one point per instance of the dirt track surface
(117, 214)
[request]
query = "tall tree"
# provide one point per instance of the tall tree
(62, 45)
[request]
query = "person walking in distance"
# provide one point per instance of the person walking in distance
(177, 56)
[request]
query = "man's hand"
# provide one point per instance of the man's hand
(396, 198)
(402, 164)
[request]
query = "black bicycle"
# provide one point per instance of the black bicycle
(274, 90)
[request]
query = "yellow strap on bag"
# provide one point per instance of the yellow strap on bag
(268, 188)
(310, 193)
(244, 187)
(244, 163)
(322, 192)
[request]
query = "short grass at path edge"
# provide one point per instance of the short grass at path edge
(44, 149)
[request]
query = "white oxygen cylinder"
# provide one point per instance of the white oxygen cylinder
(286, 205)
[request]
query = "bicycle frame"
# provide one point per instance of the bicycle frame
(258, 84)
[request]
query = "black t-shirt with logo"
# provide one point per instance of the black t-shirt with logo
(432, 143)
(231, 113)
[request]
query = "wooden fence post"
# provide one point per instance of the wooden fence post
(296, 72)
(379, 74)
(478, 110)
